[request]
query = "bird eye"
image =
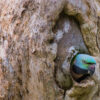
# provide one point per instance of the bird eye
(84, 61)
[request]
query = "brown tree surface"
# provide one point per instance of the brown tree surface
(35, 36)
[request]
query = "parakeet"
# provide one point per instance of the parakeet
(82, 66)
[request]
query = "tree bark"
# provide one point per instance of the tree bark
(35, 36)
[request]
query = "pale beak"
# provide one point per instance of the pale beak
(91, 69)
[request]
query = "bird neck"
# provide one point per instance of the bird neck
(76, 76)
(78, 70)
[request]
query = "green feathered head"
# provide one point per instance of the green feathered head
(85, 62)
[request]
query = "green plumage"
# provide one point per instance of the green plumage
(82, 66)
(84, 61)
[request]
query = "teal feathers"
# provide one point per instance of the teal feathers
(84, 61)
(82, 66)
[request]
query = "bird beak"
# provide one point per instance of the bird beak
(91, 69)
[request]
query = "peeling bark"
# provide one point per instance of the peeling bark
(29, 45)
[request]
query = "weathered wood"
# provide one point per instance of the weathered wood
(28, 47)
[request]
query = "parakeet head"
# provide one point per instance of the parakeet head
(86, 63)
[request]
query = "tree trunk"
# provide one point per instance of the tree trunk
(35, 39)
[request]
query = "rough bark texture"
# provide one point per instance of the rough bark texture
(32, 36)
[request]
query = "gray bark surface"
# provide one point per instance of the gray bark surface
(33, 34)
